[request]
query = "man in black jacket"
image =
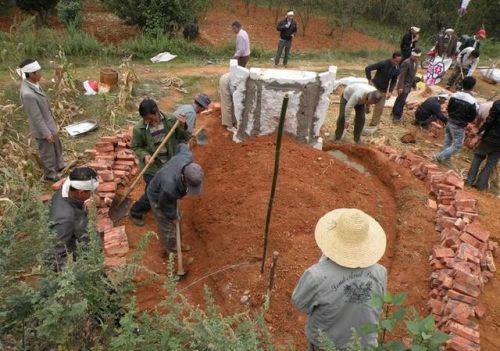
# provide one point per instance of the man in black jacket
(385, 79)
(430, 110)
(68, 213)
(474, 41)
(288, 29)
(179, 177)
(489, 149)
(462, 110)
(409, 42)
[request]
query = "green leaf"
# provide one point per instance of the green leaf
(399, 314)
(418, 348)
(429, 324)
(388, 324)
(426, 336)
(439, 338)
(396, 346)
(368, 328)
(376, 301)
(413, 327)
(399, 299)
(387, 297)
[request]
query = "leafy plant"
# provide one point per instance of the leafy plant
(70, 12)
(42, 8)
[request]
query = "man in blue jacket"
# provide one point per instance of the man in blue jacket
(179, 177)
(288, 29)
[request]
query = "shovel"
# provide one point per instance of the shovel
(119, 206)
(201, 136)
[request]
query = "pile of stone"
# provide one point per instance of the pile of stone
(116, 165)
(462, 262)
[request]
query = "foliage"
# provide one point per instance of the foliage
(42, 8)
(146, 46)
(343, 13)
(70, 12)
(156, 17)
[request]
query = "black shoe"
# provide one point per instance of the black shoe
(138, 221)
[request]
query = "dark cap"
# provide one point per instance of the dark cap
(193, 176)
(203, 100)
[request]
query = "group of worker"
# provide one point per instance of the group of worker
(333, 292)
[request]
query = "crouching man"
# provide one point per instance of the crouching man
(68, 212)
(334, 292)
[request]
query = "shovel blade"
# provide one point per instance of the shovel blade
(119, 208)
(202, 137)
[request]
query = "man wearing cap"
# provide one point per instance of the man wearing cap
(41, 120)
(242, 53)
(474, 41)
(190, 111)
(386, 76)
(178, 178)
(68, 212)
(288, 29)
(147, 135)
(430, 110)
(406, 82)
(462, 110)
(334, 292)
(357, 97)
(467, 61)
(409, 41)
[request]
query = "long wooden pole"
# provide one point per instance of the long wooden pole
(275, 178)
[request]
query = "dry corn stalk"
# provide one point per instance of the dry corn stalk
(126, 85)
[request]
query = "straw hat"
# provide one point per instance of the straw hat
(350, 238)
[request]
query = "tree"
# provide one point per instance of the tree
(70, 12)
(305, 8)
(42, 8)
(159, 16)
(343, 13)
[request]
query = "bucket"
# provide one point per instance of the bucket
(109, 77)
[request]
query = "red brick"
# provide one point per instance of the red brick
(435, 306)
(458, 296)
(463, 331)
(440, 252)
(469, 215)
(476, 230)
(57, 185)
(113, 261)
(122, 167)
(109, 139)
(458, 311)
(469, 253)
(107, 176)
(106, 187)
(98, 166)
(457, 343)
(452, 178)
(432, 204)
(463, 195)
(490, 262)
(103, 224)
(104, 147)
(480, 310)
(468, 289)
(90, 152)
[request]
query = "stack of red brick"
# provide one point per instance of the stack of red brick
(116, 165)
(463, 261)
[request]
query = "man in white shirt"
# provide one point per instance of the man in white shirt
(355, 97)
(467, 62)
(242, 53)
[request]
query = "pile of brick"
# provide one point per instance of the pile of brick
(463, 261)
(116, 165)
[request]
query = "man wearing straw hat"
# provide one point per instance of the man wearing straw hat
(334, 292)
(41, 120)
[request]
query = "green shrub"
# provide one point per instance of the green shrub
(78, 43)
(146, 46)
(70, 12)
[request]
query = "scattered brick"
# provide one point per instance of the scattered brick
(104, 147)
(106, 187)
(476, 230)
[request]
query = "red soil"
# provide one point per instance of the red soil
(225, 226)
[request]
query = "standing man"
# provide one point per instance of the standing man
(190, 111)
(68, 212)
(288, 29)
(41, 120)
(242, 53)
(467, 62)
(474, 41)
(334, 292)
(385, 79)
(488, 149)
(430, 110)
(226, 101)
(406, 82)
(355, 97)
(147, 135)
(409, 41)
(462, 110)
(178, 178)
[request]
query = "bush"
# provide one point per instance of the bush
(42, 8)
(70, 12)
(79, 43)
(146, 46)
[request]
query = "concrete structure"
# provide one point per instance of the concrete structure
(258, 95)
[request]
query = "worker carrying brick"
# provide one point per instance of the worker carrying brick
(357, 97)
(334, 292)
(179, 177)
(488, 148)
(147, 135)
(41, 119)
(430, 110)
(68, 213)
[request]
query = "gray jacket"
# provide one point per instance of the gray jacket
(190, 113)
(36, 105)
(68, 219)
(335, 300)
(167, 186)
(407, 74)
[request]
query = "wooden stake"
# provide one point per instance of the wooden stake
(272, 273)
(275, 178)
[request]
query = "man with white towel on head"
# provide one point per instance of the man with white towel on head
(41, 120)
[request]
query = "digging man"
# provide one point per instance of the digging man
(176, 179)
(355, 97)
(41, 120)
